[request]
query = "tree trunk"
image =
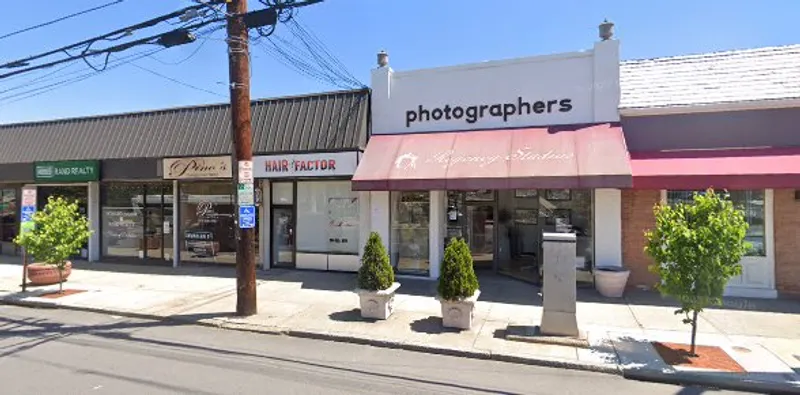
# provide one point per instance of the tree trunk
(694, 333)
(60, 279)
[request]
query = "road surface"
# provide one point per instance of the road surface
(45, 351)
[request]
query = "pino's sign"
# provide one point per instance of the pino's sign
(197, 168)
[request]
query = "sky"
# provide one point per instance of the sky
(415, 33)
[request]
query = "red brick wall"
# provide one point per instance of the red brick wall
(637, 216)
(787, 242)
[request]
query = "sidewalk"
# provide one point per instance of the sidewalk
(762, 335)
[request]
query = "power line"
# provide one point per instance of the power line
(186, 84)
(60, 19)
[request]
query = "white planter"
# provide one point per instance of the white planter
(377, 304)
(610, 281)
(459, 313)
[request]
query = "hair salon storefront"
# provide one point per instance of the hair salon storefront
(498, 153)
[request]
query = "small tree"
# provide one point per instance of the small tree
(697, 248)
(375, 273)
(59, 232)
(458, 279)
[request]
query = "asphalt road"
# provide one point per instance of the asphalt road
(66, 352)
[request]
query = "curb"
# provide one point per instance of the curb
(229, 325)
(689, 378)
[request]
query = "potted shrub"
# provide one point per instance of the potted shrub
(376, 285)
(458, 286)
(59, 231)
(610, 281)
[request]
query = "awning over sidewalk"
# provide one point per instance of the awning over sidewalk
(731, 169)
(575, 156)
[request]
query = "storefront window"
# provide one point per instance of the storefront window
(751, 202)
(8, 214)
(137, 220)
(410, 237)
(327, 217)
(282, 193)
(208, 222)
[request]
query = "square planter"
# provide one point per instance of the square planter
(377, 304)
(459, 313)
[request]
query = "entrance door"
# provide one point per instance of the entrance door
(283, 237)
(480, 234)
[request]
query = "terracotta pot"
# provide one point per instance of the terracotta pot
(44, 274)
(610, 281)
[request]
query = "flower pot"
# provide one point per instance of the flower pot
(459, 313)
(44, 274)
(610, 281)
(377, 304)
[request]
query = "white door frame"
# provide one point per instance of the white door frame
(736, 286)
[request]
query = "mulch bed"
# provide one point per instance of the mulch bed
(66, 292)
(708, 357)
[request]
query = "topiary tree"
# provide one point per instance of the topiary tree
(697, 248)
(59, 231)
(375, 273)
(458, 279)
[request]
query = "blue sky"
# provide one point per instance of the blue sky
(416, 33)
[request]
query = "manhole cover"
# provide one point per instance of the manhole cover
(742, 349)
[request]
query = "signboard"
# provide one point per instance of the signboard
(247, 217)
(559, 89)
(28, 209)
(67, 171)
(197, 168)
(306, 165)
(246, 195)
(246, 171)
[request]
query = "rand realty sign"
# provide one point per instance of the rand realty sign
(563, 89)
(67, 171)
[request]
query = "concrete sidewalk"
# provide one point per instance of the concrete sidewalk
(763, 336)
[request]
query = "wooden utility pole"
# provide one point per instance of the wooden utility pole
(239, 69)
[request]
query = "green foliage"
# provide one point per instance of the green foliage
(376, 273)
(458, 279)
(59, 232)
(697, 248)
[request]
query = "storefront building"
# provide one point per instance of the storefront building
(157, 186)
(498, 153)
(737, 130)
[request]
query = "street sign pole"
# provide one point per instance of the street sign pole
(27, 210)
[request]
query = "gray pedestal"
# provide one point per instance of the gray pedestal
(559, 293)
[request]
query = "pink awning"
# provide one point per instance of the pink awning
(575, 156)
(753, 168)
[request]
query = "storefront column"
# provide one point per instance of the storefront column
(176, 224)
(265, 230)
(608, 227)
(437, 229)
(363, 222)
(94, 221)
(379, 216)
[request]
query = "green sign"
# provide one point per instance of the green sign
(67, 171)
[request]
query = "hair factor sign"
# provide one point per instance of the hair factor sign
(331, 164)
(570, 88)
(197, 168)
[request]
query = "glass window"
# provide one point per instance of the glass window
(327, 217)
(410, 222)
(8, 214)
(208, 222)
(751, 202)
(122, 214)
(569, 211)
(282, 193)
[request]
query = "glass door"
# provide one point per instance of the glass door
(471, 216)
(283, 242)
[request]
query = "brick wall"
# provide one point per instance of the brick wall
(787, 242)
(637, 216)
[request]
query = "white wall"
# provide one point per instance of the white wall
(94, 221)
(364, 219)
(176, 225)
(379, 216)
(265, 224)
(588, 80)
(437, 230)
(608, 227)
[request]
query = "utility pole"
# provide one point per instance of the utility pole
(239, 70)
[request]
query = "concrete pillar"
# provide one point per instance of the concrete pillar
(177, 229)
(94, 221)
(381, 84)
(265, 226)
(380, 209)
(559, 291)
(608, 227)
(437, 229)
(606, 81)
(364, 221)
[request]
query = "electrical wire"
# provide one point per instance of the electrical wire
(186, 84)
(322, 54)
(14, 33)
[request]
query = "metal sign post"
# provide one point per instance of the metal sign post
(26, 225)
